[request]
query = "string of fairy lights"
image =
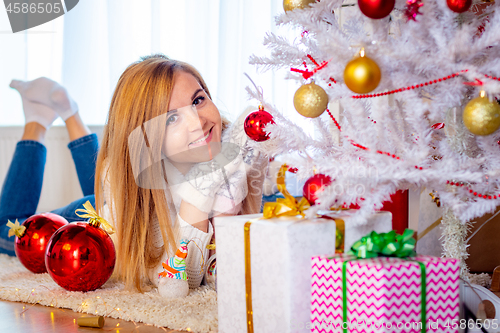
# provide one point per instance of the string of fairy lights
(87, 303)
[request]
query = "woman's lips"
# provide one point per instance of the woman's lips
(203, 141)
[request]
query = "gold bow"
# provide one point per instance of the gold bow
(94, 219)
(287, 206)
(15, 228)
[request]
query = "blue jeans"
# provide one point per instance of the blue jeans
(23, 183)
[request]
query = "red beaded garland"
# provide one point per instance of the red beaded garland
(480, 195)
(492, 77)
(255, 123)
(410, 87)
(334, 120)
(363, 147)
(313, 60)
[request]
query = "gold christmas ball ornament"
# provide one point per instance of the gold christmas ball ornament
(310, 100)
(481, 116)
(362, 74)
(294, 4)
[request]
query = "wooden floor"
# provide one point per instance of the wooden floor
(28, 318)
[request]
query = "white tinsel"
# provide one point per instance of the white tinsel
(483, 279)
(454, 244)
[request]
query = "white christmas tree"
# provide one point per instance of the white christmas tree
(407, 129)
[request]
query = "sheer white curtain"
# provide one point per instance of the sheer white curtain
(88, 48)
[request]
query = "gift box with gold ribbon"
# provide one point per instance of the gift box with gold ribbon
(264, 264)
(378, 221)
(269, 260)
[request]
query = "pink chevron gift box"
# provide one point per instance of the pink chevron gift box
(384, 295)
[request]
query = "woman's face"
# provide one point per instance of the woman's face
(193, 123)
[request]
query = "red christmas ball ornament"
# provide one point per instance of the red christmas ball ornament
(255, 123)
(315, 184)
(459, 6)
(80, 257)
(31, 243)
(376, 9)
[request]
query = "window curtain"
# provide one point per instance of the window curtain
(89, 47)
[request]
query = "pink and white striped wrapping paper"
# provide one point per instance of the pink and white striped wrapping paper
(384, 295)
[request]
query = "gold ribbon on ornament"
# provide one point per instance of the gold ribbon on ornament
(15, 228)
(94, 219)
(287, 206)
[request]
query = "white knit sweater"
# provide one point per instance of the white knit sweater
(227, 200)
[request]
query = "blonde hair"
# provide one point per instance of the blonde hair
(142, 93)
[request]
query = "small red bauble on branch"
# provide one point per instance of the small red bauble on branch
(459, 6)
(32, 238)
(255, 123)
(81, 256)
(376, 9)
(315, 184)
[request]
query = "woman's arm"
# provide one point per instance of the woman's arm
(193, 216)
(197, 250)
(198, 253)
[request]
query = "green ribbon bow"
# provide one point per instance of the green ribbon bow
(387, 244)
(383, 244)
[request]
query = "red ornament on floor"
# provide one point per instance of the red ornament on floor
(80, 257)
(459, 6)
(30, 247)
(376, 9)
(255, 123)
(314, 185)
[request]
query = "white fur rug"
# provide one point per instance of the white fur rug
(195, 313)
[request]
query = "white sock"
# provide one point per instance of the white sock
(49, 93)
(36, 112)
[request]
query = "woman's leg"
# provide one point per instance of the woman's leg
(84, 148)
(23, 183)
(83, 145)
(42, 102)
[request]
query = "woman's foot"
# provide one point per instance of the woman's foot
(36, 112)
(49, 93)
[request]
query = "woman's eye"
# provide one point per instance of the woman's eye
(198, 100)
(172, 119)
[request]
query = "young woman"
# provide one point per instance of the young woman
(169, 162)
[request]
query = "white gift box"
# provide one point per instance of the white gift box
(281, 251)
